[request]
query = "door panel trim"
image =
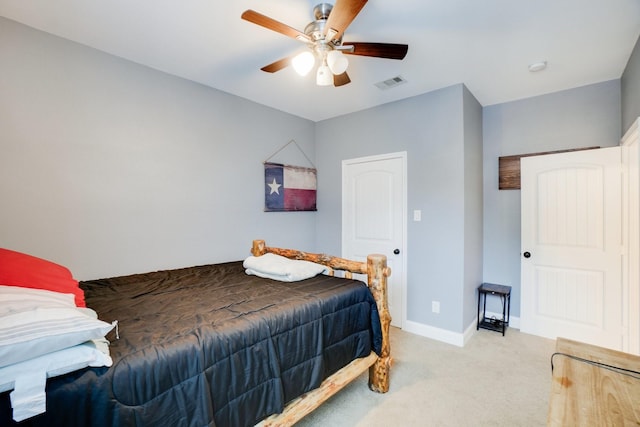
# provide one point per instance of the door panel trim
(630, 145)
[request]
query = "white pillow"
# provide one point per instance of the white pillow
(28, 298)
(34, 322)
(29, 377)
(91, 353)
(278, 267)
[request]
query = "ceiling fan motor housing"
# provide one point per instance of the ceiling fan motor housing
(322, 11)
(315, 29)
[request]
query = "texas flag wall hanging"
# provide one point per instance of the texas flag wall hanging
(289, 188)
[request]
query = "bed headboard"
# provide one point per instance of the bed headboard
(334, 263)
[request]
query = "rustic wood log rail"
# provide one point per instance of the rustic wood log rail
(377, 272)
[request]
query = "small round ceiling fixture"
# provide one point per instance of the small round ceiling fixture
(537, 66)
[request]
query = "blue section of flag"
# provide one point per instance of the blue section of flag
(273, 187)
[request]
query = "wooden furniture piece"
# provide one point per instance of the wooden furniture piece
(593, 386)
(377, 272)
(493, 324)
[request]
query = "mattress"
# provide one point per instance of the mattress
(211, 346)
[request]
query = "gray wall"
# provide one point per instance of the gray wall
(581, 117)
(111, 168)
(430, 128)
(630, 83)
(473, 217)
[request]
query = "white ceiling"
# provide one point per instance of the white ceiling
(485, 44)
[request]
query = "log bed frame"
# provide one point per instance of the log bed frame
(377, 272)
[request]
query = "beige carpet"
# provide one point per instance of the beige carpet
(492, 381)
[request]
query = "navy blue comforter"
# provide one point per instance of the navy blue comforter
(210, 346)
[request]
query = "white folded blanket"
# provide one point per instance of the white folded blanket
(28, 379)
(280, 268)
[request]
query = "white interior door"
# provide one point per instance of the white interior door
(572, 246)
(630, 146)
(373, 218)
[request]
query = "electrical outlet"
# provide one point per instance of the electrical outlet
(435, 306)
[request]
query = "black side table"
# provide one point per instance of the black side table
(493, 324)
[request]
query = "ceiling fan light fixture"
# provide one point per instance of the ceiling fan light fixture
(303, 63)
(337, 62)
(324, 76)
(322, 36)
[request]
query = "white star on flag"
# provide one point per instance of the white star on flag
(274, 187)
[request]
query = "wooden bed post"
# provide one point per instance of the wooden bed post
(259, 248)
(377, 273)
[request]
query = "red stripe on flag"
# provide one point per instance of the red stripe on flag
(299, 200)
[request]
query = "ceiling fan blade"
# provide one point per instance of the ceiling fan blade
(342, 14)
(378, 50)
(272, 24)
(277, 66)
(341, 79)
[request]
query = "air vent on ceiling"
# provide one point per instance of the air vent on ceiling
(392, 82)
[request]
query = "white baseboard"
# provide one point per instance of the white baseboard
(432, 332)
(449, 337)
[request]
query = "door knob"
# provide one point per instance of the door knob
(396, 251)
(527, 255)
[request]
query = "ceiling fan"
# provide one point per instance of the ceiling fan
(323, 37)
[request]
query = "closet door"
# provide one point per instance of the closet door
(572, 246)
(373, 218)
